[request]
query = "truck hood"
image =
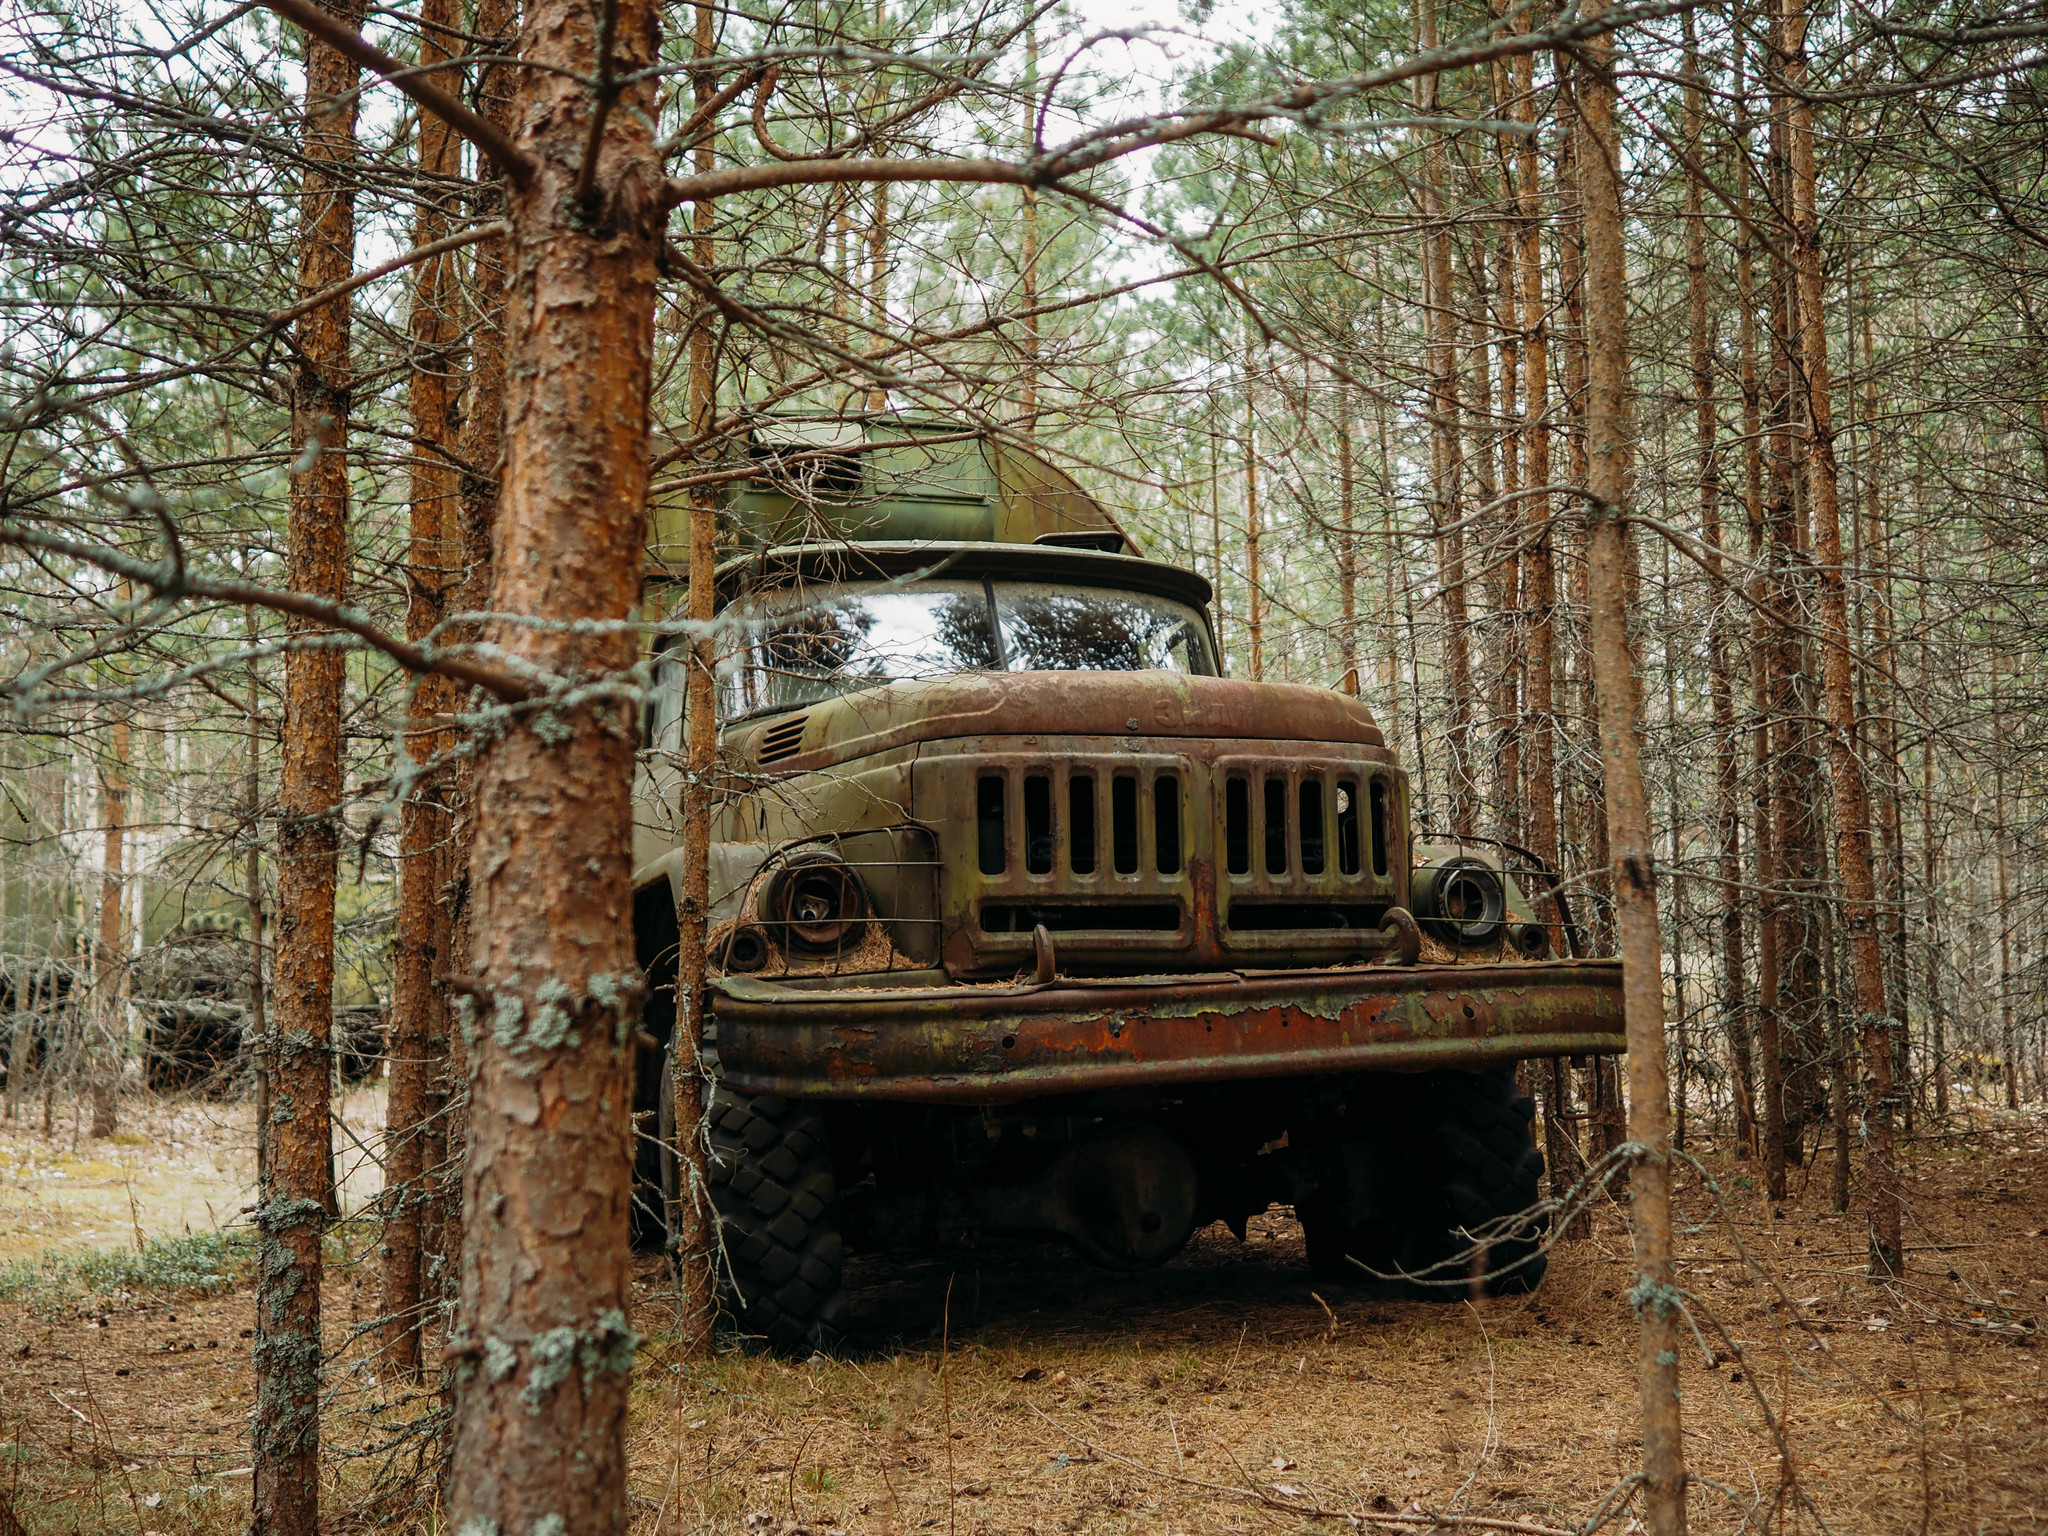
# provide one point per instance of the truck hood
(1134, 704)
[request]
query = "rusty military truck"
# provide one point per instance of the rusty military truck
(1027, 919)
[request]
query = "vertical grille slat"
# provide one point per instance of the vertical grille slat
(1312, 851)
(1081, 823)
(1166, 823)
(1038, 830)
(992, 834)
(1348, 862)
(1276, 825)
(1237, 825)
(1123, 824)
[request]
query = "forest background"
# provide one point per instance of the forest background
(1330, 345)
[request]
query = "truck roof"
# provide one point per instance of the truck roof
(879, 560)
(878, 477)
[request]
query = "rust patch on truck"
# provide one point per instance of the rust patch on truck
(995, 1044)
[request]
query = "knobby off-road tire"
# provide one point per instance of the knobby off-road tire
(1422, 1168)
(778, 1217)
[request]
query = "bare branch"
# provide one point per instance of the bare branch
(490, 141)
(167, 581)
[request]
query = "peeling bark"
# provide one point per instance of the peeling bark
(543, 1348)
(292, 1208)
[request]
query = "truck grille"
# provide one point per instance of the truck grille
(1191, 858)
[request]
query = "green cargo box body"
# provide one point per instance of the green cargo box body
(877, 477)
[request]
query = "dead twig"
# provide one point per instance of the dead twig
(1312, 1509)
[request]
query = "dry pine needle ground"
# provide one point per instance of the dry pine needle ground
(1218, 1394)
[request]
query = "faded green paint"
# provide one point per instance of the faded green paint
(1171, 965)
(863, 479)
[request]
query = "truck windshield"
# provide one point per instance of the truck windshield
(801, 645)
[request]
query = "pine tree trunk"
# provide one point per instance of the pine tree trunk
(413, 1129)
(1440, 328)
(1540, 574)
(1506, 530)
(1804, 1038)
(292, 1212)
(1885, 734)
(1347, 540)
(1721, 683)
(2001, 843)
(1763, 630)
(1628, 812)
(477, 485)
(544, 1348)
(257, 1036)
(1584, 805)
(110, 958)
(1851, 795)
(1255, 595)
(1028, 286)
(691, 1220)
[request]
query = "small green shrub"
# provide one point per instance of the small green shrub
(199, 1263)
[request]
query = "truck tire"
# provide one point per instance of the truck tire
(1441, 1156)
(778, 1218)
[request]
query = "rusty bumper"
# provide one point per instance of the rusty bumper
(993, 1044)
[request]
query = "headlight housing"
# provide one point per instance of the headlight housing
(818, 904)
(1460, 901)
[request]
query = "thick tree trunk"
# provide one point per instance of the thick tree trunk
(691, 1220)
(1851, 795)
(292, 1210)
(1628, 812)
(414, 1133)
(544, 1347)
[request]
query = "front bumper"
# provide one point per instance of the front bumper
(993, 1044)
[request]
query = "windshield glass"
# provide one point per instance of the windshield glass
(1052, 628)
(802, 645)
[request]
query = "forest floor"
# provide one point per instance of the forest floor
(175, 1166)
(1017, 1390)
